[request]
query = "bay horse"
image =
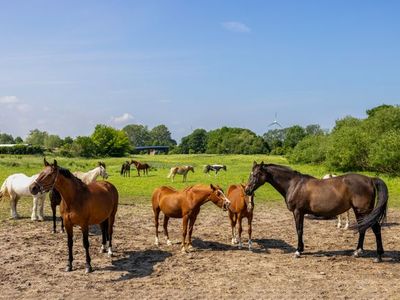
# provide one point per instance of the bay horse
(345, 216)
(126, 169)
(181, 171)
(141, 166)
(215, 168)
(242, 206)
(82, 205)
(16, 186)
(305, 194)
(88, 177)
(184, 204)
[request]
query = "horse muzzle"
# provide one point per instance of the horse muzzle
(34, 188)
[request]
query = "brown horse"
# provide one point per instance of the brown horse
(141, 166)
(81, 205)
(242, 206)
(184, 204)
(305, 194)
(126, 169)
(181, 171)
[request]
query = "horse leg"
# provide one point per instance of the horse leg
(192, 220)
(379, 247)
(62, 224)
(361, 235)
(69, 228)
(34, 209)
(104, 236)
(13, 203)
(165, 225)
(240, 230)
(184, 232)
(85, 236)
(249, 221)
(346, 226)
(111, 220)
(299, 219)
(339, 221)
(41, 207)
(233, 219)
(53, 209)
(156, 211)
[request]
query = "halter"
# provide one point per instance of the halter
(42, 188)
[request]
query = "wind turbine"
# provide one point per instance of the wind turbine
(275, 122)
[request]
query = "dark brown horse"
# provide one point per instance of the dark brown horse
(81, 204)
(126, 169)
(184, 204)
(242, 206)
(141, 166)
(305, 194)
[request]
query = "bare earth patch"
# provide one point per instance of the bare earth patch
(33, 259)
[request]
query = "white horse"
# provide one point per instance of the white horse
(345, 215)
(181, 171)
(92, 175)
(16, 186)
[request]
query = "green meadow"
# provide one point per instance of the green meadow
(138, 190)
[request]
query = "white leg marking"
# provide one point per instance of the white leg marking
(157, 242)
(250, 244)
(169, 243)
(110, 253)
(297, 254)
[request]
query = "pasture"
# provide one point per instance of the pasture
(33, 259)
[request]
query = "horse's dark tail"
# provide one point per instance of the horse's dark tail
(378, 214)
(122, 169)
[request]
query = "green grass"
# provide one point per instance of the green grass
(138, 189)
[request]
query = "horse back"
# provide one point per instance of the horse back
(169, 201)
(237, 196)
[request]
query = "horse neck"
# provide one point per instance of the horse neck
(280, 179)
(92, 175)
(67, 187)
(200, 195)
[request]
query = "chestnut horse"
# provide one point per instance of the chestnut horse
(185, 204)
(141, 166)
(242, 206)
(181, 171)
(81, 205)
(305, 194)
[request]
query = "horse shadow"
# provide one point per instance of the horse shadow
(211, 245)
(138, 264)
(389, 256)
(267, 244)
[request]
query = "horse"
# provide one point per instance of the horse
(16, 186)
(88, 177)
(215, 168)
(81, 204)
(305, 194)
(346, 215)
(242, 206)
(126, 169)
(184, 204)
(181, 171)
(141, 166)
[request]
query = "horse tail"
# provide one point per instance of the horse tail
(3, 189)
(122, 169)
(378, 214)
(170, 172)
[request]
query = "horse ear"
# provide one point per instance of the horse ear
(212, 187)
(254, 163)
(45, 162)
(55, 164)
(262, 162)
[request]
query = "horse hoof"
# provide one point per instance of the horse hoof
(183, 250)
(88, 270)
(240, 246)
(169, 243)
(297, 254)
(357, 253)
(68, 269)
(377, 259)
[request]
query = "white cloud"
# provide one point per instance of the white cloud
(9, 100)
(236, 27)
(122, 119)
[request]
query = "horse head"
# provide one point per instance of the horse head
(218, 197)
(258, 177)
(103, 172)
(46, 179)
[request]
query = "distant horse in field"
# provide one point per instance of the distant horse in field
(184, 204)
(81, 204)
(88, 177)
(181, 171)
(141, 166)
(16, 186)
(242, 206)
(215, 168)
(305, 194)
(126, 169)
(346, 215)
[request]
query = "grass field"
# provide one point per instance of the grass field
(138, 189)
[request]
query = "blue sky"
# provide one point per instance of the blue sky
(66, 66)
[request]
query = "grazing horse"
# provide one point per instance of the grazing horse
(215, 168)
(88, 177)
(17, 186)
(184, 204)
(126, 169)
(242, 206)
(305, 194)
(141, 166)
(346, 215)
(181, 171)
(81, 204)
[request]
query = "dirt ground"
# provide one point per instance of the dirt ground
(32, 260)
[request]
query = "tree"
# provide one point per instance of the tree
(293, 136)
(138, 135)
(161, 136)
(18, 140)
(109, 141)
(36, 137)
(196, 142)
(52, 141)
(6, 138)
(83, 146)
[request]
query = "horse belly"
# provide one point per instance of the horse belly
(329, 206)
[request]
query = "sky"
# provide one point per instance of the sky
(66, 66)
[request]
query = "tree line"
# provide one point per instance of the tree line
(353, 144)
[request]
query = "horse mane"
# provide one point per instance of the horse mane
(67, 173)
(287, 169)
